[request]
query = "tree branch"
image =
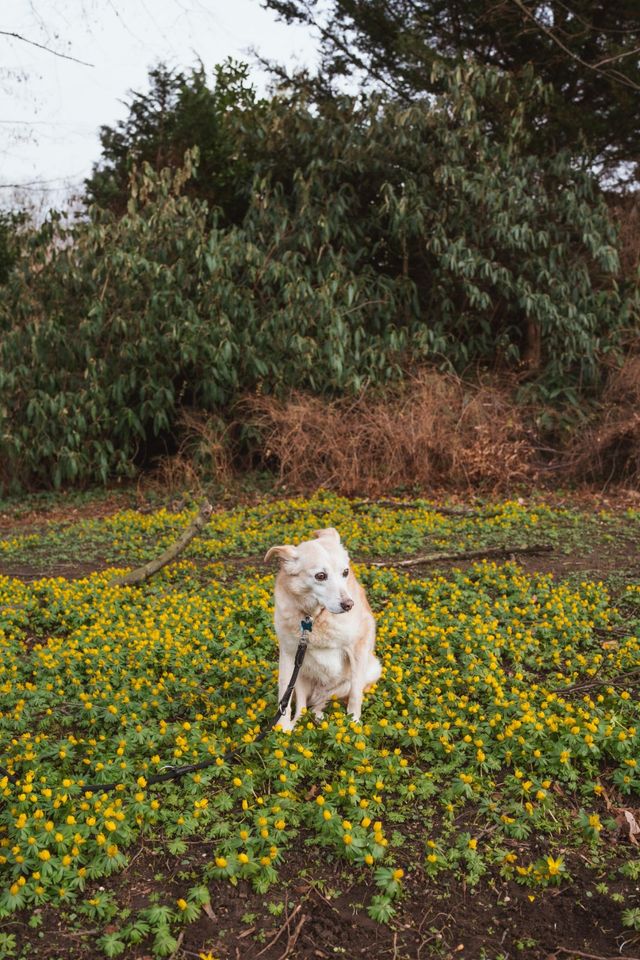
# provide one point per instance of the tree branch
(464, 555)
(615, 75)
(148, 569)
(41, 46)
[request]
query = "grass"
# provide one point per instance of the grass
(498, 743)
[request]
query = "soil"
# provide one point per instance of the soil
(318, 909)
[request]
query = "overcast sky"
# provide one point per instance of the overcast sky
(51, 108)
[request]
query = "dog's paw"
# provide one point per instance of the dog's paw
(286, 724)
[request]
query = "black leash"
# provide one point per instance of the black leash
(174, 773)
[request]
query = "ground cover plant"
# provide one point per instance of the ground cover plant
(499, 751)
(371, 530)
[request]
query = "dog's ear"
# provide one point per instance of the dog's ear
(284, 552)
(329, 533)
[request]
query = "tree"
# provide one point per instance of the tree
(181, 110)
(588, 51)
(11, 224)
(407, 235)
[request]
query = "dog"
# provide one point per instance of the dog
(315, 579)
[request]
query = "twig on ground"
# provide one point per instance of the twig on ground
(133, 859)
(293, 938)
(588, 956)
(465, 555)
(178, 945)
(317, 892)
(148, 569)
(285, 926)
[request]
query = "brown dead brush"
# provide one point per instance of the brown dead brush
(435, 431)
(203, 453)
(626, 215)
(609, 450)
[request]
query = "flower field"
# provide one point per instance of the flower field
(502, 738)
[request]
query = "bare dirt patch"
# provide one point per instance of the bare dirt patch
(318, 910)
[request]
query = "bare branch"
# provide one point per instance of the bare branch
(41, 46)
(618, 56)
(610, 75)
(464, 555)
(146, 571)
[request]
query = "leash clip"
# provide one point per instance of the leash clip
(306, 625)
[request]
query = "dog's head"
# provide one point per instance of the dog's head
(318, 568)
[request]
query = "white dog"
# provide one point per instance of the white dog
(315, 579)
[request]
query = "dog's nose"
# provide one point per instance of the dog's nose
(346, 605)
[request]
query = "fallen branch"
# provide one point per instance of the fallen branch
(620, 680)
(143, 573)
(464, 555)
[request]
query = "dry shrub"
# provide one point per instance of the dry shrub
(626, 214)
(609, 450)
(434, 431)
(174, 473)
(203, 452)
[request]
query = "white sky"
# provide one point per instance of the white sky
(51, 108)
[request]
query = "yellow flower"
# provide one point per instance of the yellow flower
(554, 866)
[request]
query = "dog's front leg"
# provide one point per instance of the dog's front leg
(354, 703)
(365, 671)
(302, 691)
(286, 664)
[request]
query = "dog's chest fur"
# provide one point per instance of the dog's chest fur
(326, 660)
(325, 665)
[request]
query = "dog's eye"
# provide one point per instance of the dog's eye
(345, 573)
(321, 576)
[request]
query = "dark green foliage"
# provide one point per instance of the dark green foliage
(586, 50)
(180, 111)
(10, 223)
(117, 321)
(407, 234)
